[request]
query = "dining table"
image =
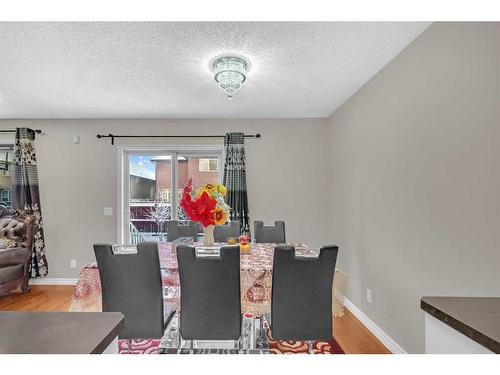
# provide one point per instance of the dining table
(256, 267)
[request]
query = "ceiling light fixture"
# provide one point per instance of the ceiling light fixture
(230, 72)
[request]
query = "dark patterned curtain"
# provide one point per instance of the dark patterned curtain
(235, 179)
(25, 194)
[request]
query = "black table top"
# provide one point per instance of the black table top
(58, 332)
(476, 317)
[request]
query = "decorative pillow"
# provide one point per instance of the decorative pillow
(7, 243)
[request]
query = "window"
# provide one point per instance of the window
(209, 165)
(5, 158)
(151, 187)
(5, 196)
(5, 175)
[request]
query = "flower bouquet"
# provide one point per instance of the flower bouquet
(206, 205)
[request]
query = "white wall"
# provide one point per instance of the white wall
(414, 176)
(78, 180)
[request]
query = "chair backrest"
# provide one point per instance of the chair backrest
(302, 294)
(176, 230)
(131, 284)
(269, 234)
(210, 294)
(223, 232)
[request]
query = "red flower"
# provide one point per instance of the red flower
(201, 209)
(204, 207)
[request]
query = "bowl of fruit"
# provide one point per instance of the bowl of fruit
(232, 241)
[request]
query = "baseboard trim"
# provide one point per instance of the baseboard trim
(53, 281)
(384, 338)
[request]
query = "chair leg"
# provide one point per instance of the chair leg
(309, 344)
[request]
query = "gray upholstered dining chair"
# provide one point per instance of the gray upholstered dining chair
(269, 234)
(302, 310)
(223, 232)
(131, 284)
(210, 294)
(175, 230)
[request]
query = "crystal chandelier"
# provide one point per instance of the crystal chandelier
(230, 72)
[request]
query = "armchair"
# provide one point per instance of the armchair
(16, 238)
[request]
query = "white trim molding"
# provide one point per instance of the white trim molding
(389, 343)
(53, 281)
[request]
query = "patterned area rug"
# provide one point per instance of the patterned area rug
(277, 347)
(301, 347)
(146, 346)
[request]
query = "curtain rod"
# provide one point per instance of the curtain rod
(38, 131)
(113, 136)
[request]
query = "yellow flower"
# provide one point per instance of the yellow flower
(210, 189)
(222, 190)
(220, 216)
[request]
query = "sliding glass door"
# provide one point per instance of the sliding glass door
(151, 188)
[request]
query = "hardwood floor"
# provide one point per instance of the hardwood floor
(40, 298)
(354, 337)
(349, 332)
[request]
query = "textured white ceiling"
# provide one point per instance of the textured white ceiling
(161, 69)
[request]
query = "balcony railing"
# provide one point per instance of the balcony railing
(135, 235)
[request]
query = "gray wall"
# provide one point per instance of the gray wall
(414, 178)
(78, 180)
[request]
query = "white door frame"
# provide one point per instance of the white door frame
(123, 151)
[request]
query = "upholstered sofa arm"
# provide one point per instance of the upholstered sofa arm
(13, 256)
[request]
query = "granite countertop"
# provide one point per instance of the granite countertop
(475, 317)
(58, 332)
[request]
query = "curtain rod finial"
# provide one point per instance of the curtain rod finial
(257, 135)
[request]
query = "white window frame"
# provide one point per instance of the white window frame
(123, 151)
